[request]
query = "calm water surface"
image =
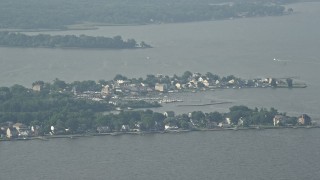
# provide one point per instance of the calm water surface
(256, 154)
(244, 47)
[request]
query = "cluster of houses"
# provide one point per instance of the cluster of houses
(11, 130)
(303, 120)
(278, 120)
(162, 84)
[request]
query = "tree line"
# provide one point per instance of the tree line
(58, 14)
(13, 39)
(20, 104)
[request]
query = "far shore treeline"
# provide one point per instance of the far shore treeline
(59, 14)
(12, 39)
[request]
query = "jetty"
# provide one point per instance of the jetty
(206, 104)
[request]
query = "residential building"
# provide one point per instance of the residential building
(125, 128)
(279, 120)
(304, 119)
(160, 87)
(22, 129)
(36, 87)
(105, 90)
(12, 133)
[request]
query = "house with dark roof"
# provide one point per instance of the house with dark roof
(304, 119)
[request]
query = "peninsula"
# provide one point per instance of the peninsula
(12, 39)
(60, 108)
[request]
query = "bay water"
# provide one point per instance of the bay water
(242, 47)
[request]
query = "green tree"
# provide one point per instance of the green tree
(72, 124)
(214, 117)
(147, 121)
(120, 77)
(5, 93)
(58, 84)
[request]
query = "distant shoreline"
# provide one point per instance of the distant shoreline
(13, 39)
(178, 131)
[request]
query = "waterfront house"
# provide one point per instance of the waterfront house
(241, 121)
(279, 120)
(206, 83)
(304, 119)
(22, 129)
(125, 128)
(12, 133)
(226, 123)
(52, 128)
(35, 130)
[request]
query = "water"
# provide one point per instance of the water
(244, 47)
(255, 154)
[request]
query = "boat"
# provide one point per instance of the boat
(118, 109)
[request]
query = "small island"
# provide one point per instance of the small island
(12, 39)
(60, 109)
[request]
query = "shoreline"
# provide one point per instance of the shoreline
(178, 131)
(94, 25)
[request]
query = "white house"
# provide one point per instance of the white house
(36, 87)
(160, 87)
(105, 90)
(125, 128)
(279, 120)
(226, 123)
(12, 133)
(178, 86)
